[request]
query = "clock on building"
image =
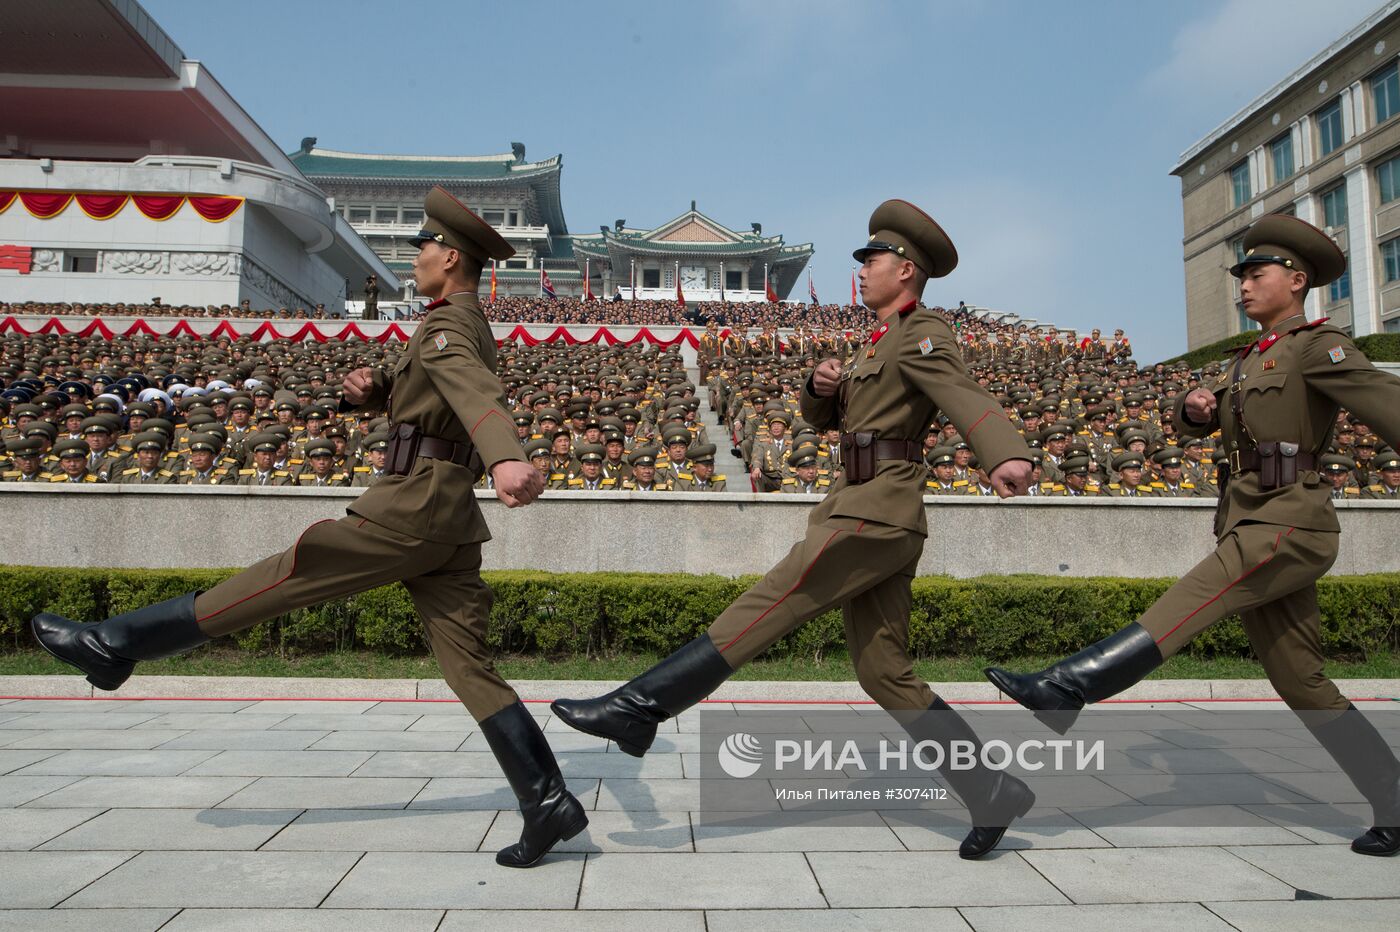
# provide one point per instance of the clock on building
(694, 277)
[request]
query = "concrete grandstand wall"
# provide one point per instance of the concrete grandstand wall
(727, 533)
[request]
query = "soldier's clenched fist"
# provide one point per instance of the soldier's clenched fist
(517, 483)
(1200, 406)
(826, 377)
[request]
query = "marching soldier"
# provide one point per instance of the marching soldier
(1276, 407)
(421, 526)
(863, 542)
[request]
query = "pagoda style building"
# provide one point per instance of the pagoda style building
(712, 261)
(381, 196)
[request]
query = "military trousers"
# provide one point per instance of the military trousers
(332, 559)
(1267, 574)
(864, 567)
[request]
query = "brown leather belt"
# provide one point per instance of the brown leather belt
(1251, 461)
(407, 444)
(862, 451)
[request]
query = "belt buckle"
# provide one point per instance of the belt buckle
(1234, 461)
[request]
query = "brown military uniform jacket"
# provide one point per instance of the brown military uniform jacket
(1293, 381)
(896, 386)
(686, 482)
(445, 383)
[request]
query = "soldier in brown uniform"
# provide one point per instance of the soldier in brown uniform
(420, 525)
(1276, 407)
(864, 540)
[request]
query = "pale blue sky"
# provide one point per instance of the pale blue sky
(1039, 134)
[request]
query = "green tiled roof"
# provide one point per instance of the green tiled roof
(326, 163)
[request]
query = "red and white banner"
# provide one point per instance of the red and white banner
(45, 205)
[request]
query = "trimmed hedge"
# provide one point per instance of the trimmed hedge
(607, 613)
(1378, 347)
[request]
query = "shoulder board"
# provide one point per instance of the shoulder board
(281, 472)
(1350, 490)
(1047, 484)
(1113, 485)
(1310, 324)
(716, 478)
(1188, 485)
(165, 472)
(89, 478)
(361, 469)
(575, 481)
(685, 475)
(61, 477)
(1159, 485)
(608, 481)
(1374, 488)
(187, 472)
(241, 472)
(556, 476)
(959, 483)
(134, 471)
(337, 475)
(789, 482)
(823, 482)
(296, 462)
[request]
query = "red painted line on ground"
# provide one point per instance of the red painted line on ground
(702, 702)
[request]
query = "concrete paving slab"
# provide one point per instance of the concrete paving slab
(323, 793)
(77, 739)
(120, 763)
(23, 829)
(281, 764)
(835, 920)
(386, 830)
(457, 881)
(328, 721)
(175, 830)
(211, 721)
(1185, 826)
(673, 795)
(1224, 789)
(929, 878)
(1155, 875)
(944, 831)
(79, 920)
(313, 706)
(229, 739)
(13, 761)
(694, 881)
(304, 920)
(1185, 917)
(795, 831)
(40, 879)
(486, 793)
(543, 920)
(389, 741)
(17, 791)
(1308, 915)
(260, 879)
(1330, 870)
(91, 720)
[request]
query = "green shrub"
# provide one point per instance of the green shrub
(1378, 347)
(602, 614)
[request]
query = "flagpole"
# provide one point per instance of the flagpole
(634, 279)
(721, 281)
(765, 281)
(586, 276)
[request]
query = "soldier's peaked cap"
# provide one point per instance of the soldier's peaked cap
(1294, 244)
(449, 222)
(901, 228)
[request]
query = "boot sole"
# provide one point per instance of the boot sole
(625, 747)
(1030, 803)
(1057, 720)
(96, 679)
(569, 831)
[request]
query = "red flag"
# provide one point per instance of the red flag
(854, 300)
(587, 284)
(493, 281)
(546, 286)
(769, 292)
(812, 291)
(680, 295)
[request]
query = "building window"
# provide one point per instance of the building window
(651, 278)
(386, 214)
(413, 216)
(359, 214)
(1237, 246)
(1390, 256)
(714, 280)
(733, 281)
(79, 261)
(1329, 127)
(668, 279)
(1282, 151)
(1334, 206)
(497, 218)
(1388, 180)
(1392, 325)
(1239, 184)
(516, 264)
(1245, 324)
(1385, 93)
(1340, 289)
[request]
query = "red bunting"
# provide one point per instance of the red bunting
(215, 209)
(157, 206)
(44, 204)
(6, 199)
(101, 206)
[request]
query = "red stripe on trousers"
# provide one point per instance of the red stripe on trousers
(795, 585)
(279, 582)
(1232, 585)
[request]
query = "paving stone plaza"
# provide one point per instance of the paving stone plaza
(313, 814)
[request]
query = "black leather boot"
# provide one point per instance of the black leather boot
(994, 798)
(629, 714)
(1057, 693)
(552, 814)
(107, 651)
(1370, 764)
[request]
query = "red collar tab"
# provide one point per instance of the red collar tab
(1267, 342)
(441, 302)
(908, 308)
(879, 332)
